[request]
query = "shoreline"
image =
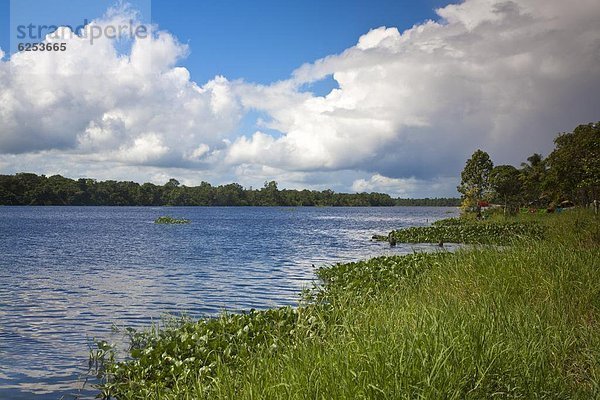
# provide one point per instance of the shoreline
(272, 352)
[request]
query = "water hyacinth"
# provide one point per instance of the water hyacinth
(371, 276)
(171, 220)
(455, 230)
(160, 358)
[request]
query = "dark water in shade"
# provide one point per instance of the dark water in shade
(69, 273)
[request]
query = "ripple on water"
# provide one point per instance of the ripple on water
(68, 274)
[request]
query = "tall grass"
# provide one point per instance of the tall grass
(517, 322)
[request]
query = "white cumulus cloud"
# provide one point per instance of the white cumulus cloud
(410, 106)
(135, 108)
(505, 76)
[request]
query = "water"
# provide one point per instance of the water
(67, 274)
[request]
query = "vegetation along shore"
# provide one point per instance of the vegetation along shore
(520, 321)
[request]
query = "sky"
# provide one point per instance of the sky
(387, 96)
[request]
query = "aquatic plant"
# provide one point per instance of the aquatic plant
(165, 356)
(457, 230)
(365, 278)
(171, 220)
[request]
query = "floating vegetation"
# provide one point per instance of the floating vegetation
(456, 230)
(160, 358)
(371, 276)
(171, 220)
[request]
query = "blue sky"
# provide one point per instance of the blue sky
(387, 96)
(260, 41)
(265, 40)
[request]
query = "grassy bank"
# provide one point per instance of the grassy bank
(518, 322)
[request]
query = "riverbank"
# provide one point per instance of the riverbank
(520, 321)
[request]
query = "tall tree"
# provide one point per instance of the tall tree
(506, 185)
(574, 165)
(270, 194)
(533, 176)
(475, 179)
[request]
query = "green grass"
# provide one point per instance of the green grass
(518, 322)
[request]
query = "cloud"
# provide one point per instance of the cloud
(379, 183)
(500, 75)
(134, 108)
(409, 108)
(405, 187)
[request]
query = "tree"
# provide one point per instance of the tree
(270, 194)
(230, 195)
(574, 165)
(173, 183)
(533, 177)
(31, 189)
(173, 193)
(505, 182)
(475, 179)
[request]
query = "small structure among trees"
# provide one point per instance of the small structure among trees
(570, 174)
(505, 182)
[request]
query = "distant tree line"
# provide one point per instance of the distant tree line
(32, 189)
(570, 174)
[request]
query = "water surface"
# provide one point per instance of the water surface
(69, 273)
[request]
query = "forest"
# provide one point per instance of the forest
(32, 189)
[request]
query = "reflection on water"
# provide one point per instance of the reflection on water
(67, 274)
